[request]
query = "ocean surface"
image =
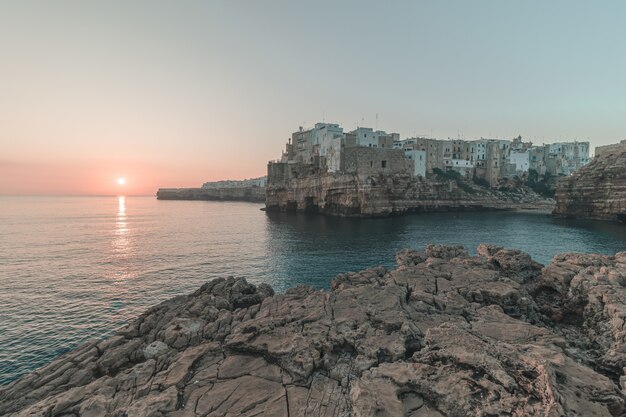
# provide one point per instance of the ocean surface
(75, 268)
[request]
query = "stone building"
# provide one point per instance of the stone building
(491, 159)
(537, 156)
(363, 160)
(435, 150)
(325, 148)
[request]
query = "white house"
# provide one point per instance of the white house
(366, 136)
(521, 160)
(419, 161)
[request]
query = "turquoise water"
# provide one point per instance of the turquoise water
(74, 268)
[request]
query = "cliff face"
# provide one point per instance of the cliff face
(598, 190)
(444, 334)
(251, 194)
(383, 195)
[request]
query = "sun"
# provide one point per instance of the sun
(121, 180)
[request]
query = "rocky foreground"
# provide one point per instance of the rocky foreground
(444, 334)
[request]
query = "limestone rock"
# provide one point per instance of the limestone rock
(597, 190)
(444, 334)
(391, 194)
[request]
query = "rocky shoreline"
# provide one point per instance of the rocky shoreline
(443, 334)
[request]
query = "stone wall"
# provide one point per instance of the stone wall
(369, 161)
(598, 190)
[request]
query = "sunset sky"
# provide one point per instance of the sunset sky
(175, 93)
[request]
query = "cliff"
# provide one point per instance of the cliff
(443, 334)
(598, 190)
(384, 195)
(251, 194)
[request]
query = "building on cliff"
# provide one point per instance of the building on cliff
(325, 148)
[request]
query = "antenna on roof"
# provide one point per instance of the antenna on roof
(376, 121)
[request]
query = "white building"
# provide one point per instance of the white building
(419, 161)
(462, 166)
(324, 133)
(565, 158)
(521, 160)
(366, 136)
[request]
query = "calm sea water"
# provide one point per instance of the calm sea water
(75, 268)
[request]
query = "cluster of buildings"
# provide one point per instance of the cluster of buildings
(250, 182)
(365, 151)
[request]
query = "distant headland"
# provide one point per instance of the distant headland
(369, 172)
(372, 173)
(251, 190)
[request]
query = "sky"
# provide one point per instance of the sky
(175, 93)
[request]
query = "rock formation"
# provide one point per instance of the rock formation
(598, 190)
(251, 194)
(384, 195)
(444, 334)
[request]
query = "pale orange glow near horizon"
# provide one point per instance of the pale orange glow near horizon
(176, 94)
(99, 178)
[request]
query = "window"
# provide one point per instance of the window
(371, 163)
(383, 164)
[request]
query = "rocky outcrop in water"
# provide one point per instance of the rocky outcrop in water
(598, 190)
(443, 334)
(384, 195)
(250, 194)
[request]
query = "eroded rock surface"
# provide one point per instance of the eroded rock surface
(597, 190)
(391, 194)
(444, 334)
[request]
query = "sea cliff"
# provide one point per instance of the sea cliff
(598, 190)
(391, 194)
(251, 194)
(442, 334)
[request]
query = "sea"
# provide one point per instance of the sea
(77, 268)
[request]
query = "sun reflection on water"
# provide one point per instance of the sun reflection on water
(121, 242)
(121, 206)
